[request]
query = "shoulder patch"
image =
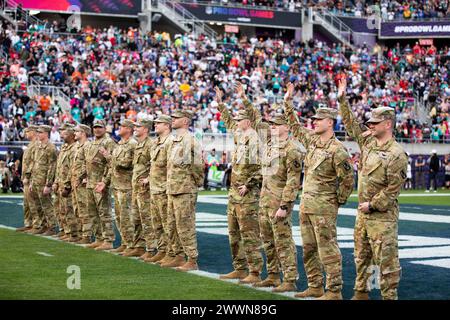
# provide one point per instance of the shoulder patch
(403, 174)
(347, 165)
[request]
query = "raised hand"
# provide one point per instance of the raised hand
(289, 91)
(342, 86)
(240, 90)
(219, 95)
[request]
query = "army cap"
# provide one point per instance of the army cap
(67, 126)
(127, 123)
(44, 128)
(325, 113)
(84, 128)
(241, 115)
(382, 113)
(99, 123)
(278, 119)
(31, 128)
(164, 119)
(182, 114)
(144, 123)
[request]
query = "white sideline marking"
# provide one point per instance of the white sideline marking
(45, 254)
(6, 227)
(443, 263)
(405, 216)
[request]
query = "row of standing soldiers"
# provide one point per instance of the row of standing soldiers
(154, 183)
(162, 177)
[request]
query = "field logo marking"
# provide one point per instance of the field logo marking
(74, 280)
(374, 280)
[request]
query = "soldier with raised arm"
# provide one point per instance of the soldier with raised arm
(281, 170)
(243, 197)
(382, 173)
(327, 185)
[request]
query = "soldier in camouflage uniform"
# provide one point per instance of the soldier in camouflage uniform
(185, 175)
(281, 169)
(382, 173)
(121, 171)
(30, 133)
(158, 189)
(327, 185)
(62, 186)
(144, 236)
(79, 179)
(41, 181)
(243, 197)
(98, 185)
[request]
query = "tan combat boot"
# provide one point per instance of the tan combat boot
(360, 295)
(95, 244)
(286, 286)
(272, 280)
(147, 254)
(119, 249)
(166, 259)
(49, 232)
(73, 239)
(36, 231)
(252, 278)
(177, 261)
(236, 274)
(84, 240)
(310, 292)
(105, 246)
(331, 295)
(23, 229)
(157, 257)
(136, 252)
(191, 264)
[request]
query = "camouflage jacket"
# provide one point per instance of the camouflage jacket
(27, 159)
(158, 169)
(44, 164)
(78, 172)
(328, 180)
(97, 166)
(281, 170)
(122, 164)
(64, 166)
(245, 160)
(382, 170)
(142, 164)
(185, 167)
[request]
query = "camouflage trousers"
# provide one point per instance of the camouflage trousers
(321, 251)
(57, 212)
(181, 224)
(244, 236)
(99, 210)
(85, 223)
(123, 213)
(158, 207)
(144, 235)
(376, 243)
(67, 215)
(27, 216)
(41, 208)
(279, 245)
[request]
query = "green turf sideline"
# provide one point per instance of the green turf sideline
(34, 268)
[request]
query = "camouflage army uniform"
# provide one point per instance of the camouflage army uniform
(184, 175)
(327, 184)
(158, 189)
(281, 169)
(242, 211)
(382, 173)
(99, 204)
(121, 175)
(67, 218)
(27, 164)
(43, 174)
(144, 235)
(79, 194)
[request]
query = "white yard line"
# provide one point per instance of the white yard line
(45, 254)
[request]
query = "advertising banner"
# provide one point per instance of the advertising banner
(415, 29)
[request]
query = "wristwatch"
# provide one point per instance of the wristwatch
(283, 207)
(370, 208)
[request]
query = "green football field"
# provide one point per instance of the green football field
(36, 267)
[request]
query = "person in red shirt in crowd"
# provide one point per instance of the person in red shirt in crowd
(417, 50)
